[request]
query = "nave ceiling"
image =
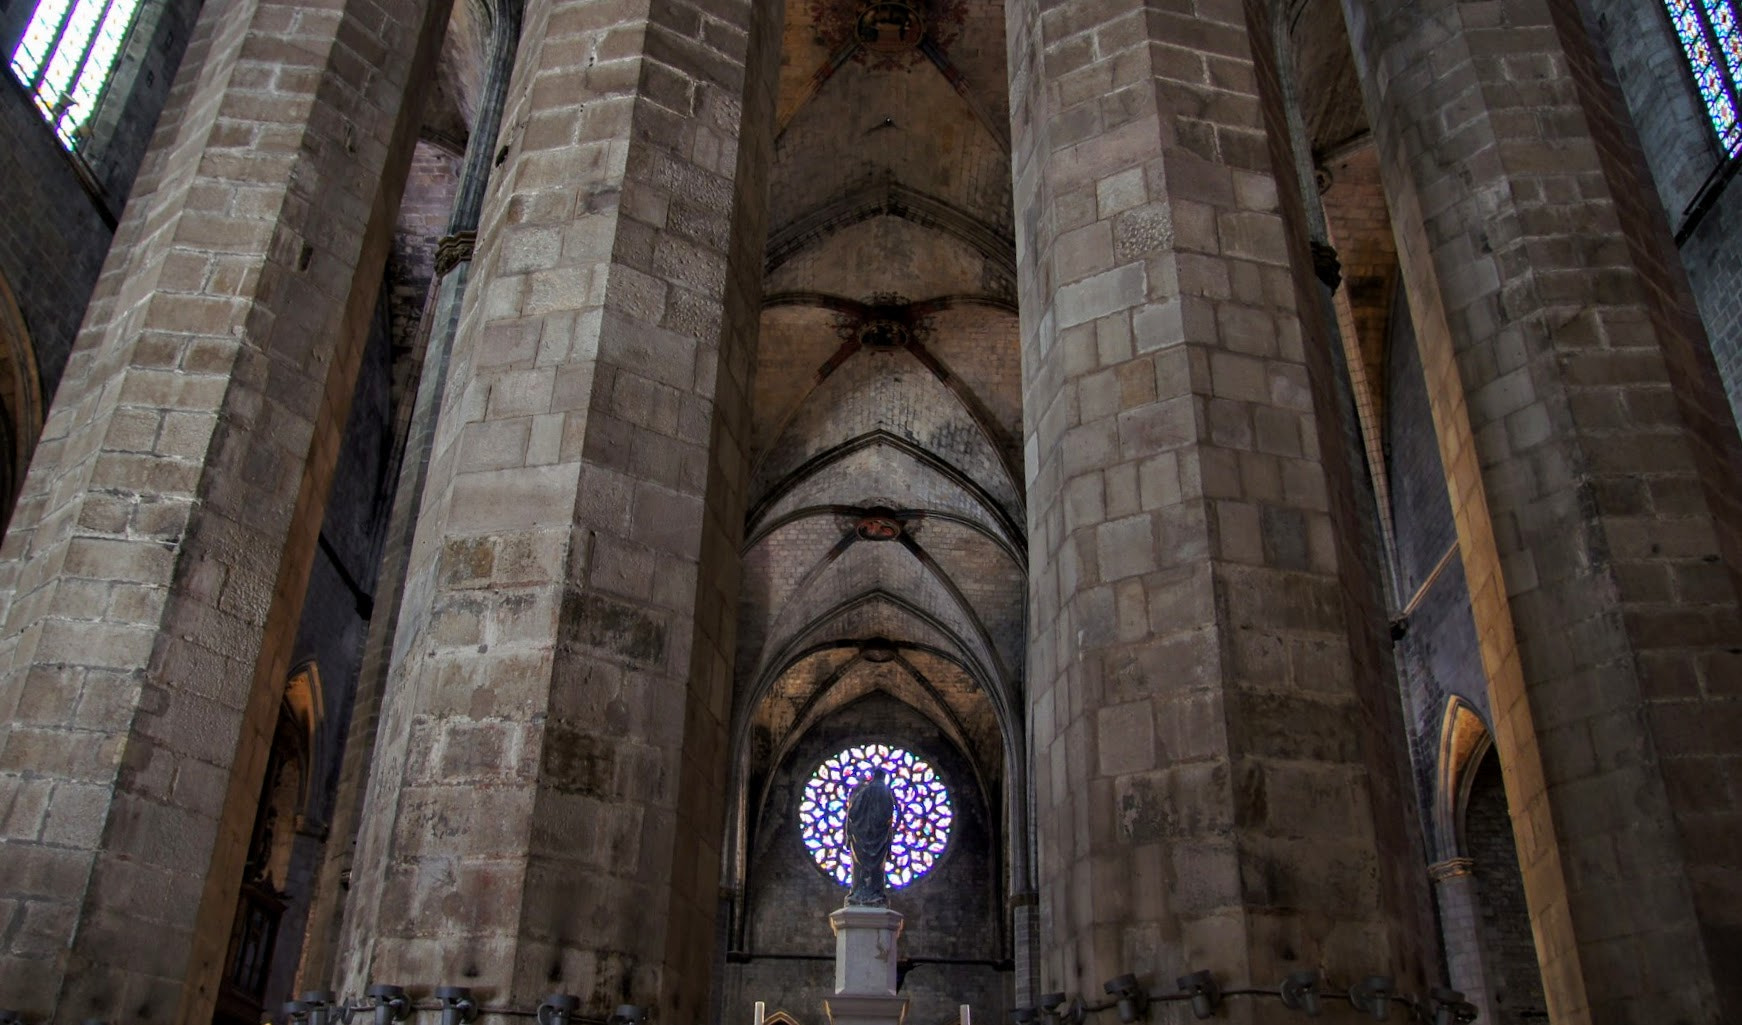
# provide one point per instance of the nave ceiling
(884, 548)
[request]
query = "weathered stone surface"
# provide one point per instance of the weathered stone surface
(1239, 590)
(1544, 345)
(1112, 558)
(199, 424)
(592, 702)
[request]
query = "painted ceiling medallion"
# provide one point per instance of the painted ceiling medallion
(887, 35)
(879, 526)
(889, 27)
(878, 650)
(884, 333)
(883, 322)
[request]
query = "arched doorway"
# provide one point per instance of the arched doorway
(21, 405)
(268, 884)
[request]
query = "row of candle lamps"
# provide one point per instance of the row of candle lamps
(387, 1004)
(1303, 991)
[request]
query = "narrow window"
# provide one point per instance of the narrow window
(1713, 46)
(922, 820)
(66, 57)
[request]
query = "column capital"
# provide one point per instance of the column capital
(1450, 868)
(453, 250)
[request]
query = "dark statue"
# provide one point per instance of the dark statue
(870, 826)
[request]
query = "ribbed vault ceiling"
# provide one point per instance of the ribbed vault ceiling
(884, 548)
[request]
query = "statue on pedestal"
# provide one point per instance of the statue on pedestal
(870, 827)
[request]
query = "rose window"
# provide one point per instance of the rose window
(922, 812)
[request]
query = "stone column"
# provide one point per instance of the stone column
(1594, 479)
(546, 803)
(1218, 779)
(1461, 926)
(158, 558)
(414, 435)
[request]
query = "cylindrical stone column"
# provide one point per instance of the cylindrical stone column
(1595, 484)
(414, 437)
(1218, 774)
(1461, 930)
(546, 803)
(158, 559)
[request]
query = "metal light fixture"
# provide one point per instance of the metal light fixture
(458, 1007)
(1130, 997)
(315, 1008)
(388, 1003)
(1049, 1007)
(1373, 995)
(1054, 1011)
(1301, 992)
(1450, 1007)
(1078, 1011)
(628, 1014)
(1206, 995)
(558, 1009)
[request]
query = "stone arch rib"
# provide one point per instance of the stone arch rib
(889, 199)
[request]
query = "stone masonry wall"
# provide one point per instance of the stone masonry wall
(1674, 134)
(1184, 644)
(160, 553)
(1562, 382)
(423, 218)
(1514, 982)
(1682, 152)
(52, 256)
(570, 599)
(1713, 257)
(1437, 655)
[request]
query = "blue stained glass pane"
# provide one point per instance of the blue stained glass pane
(1715, 74)
(1721, 15)
(922, 819)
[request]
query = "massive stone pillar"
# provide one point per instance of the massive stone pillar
(1593, 474)
(546, 804)
(1218, 782)
(158, 558)
(413, 436)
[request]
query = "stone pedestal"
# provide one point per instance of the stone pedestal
(865, 968)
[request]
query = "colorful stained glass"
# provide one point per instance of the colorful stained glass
(1713, 45)
(1721, 15)
(66, 57)
(922, 818)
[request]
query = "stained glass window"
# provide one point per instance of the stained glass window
(1713, 45)
(922, 817)
(66, 57)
